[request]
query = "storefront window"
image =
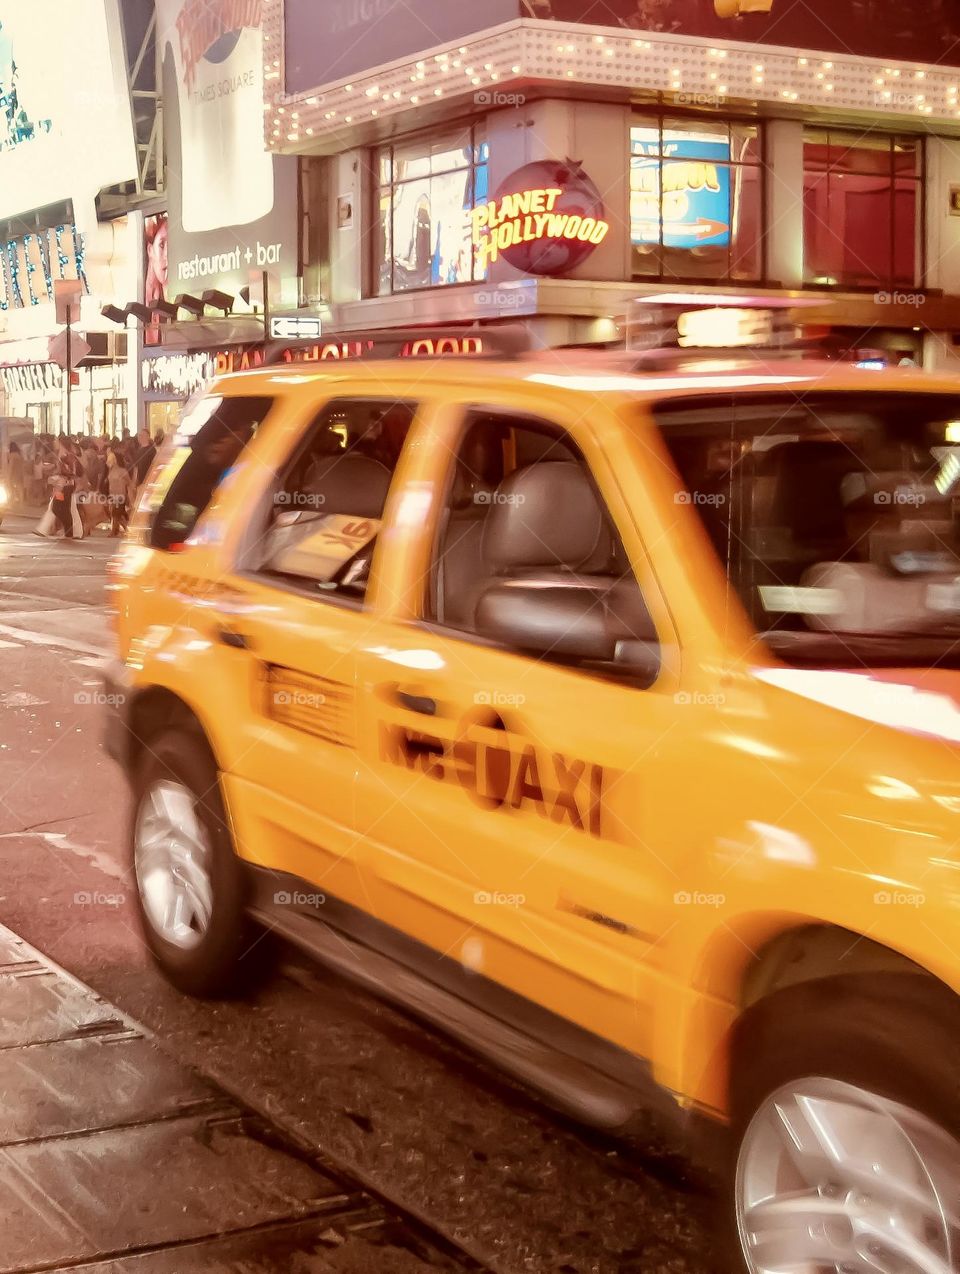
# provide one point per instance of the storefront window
(696, 200)
(862, 209)
(427, 189)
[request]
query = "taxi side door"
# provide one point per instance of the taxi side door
(289, 625)
(507, 781)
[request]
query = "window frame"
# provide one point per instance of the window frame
(477, 134)
(258, 529)
(918, 178)
(426, 617)
(674, 120)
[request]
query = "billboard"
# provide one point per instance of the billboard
(232, 206)
(683, 181)
(339, 38)
(156, 257)
(66, 128)
(928, 32)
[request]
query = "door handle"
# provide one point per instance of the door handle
(418, 703)
(230, 637)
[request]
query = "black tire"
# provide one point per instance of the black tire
(216, 965)
(895, 1035)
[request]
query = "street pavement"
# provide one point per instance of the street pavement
(311, 1126)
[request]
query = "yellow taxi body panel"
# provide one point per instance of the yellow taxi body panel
(636, 848)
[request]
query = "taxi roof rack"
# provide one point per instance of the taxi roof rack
(507, 341)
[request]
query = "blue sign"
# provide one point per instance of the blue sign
(683, 180)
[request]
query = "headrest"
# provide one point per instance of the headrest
(349, 483)
(479, 467)
(546, 515)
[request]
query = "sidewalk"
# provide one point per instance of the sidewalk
(115, 1157)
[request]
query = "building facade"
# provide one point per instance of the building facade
(510, 161)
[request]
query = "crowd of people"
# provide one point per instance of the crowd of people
(82, 482)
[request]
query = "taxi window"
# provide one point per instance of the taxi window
(527, 556)
(836, 516)
(328, 504)
(192, 465)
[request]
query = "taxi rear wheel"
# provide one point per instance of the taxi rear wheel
(847, 1137)
(190, 885)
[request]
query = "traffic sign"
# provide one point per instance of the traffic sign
(295, 327)
(66, 295)
(57, 349)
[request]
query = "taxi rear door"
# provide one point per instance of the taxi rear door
(510, 802)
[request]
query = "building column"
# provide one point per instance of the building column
(784, 191)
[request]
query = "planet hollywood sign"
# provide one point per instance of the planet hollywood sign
(545, 219)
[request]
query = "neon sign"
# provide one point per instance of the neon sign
(545, 219)
(416, 347)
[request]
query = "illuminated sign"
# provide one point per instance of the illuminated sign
(724, 327)
(679, 189)
(295, 327)
(545, 219)
(414, 347)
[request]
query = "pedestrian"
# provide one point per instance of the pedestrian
(144, 456)
(68, 474)
(118, 491)
(15, 475)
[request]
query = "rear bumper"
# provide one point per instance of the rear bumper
(118, 704)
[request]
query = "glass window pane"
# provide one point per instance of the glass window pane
(906, 245)
(746, 230)
(822, 246)
(385, 242)
(745, 144)
(816, 151)
(850, 152)
(645, 139)
(432, 233)
(701, 140)
(432, 155)
(384, 166)
(906, 156)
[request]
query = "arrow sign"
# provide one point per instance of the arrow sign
(702, 228)
(295, 327)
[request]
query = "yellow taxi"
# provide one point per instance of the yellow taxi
(603, 708)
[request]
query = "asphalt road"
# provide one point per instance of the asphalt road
(345, 1079)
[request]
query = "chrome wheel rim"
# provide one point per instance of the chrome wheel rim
(172, 858)
(832, 1179)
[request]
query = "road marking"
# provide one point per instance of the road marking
(10, 645)
(100, 663)
(45, 639)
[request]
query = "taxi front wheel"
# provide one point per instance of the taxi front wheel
(190, 887)
(845, 1106)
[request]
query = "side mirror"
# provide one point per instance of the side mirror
(570, 617)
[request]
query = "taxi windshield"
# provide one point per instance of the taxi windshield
(836, 517)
